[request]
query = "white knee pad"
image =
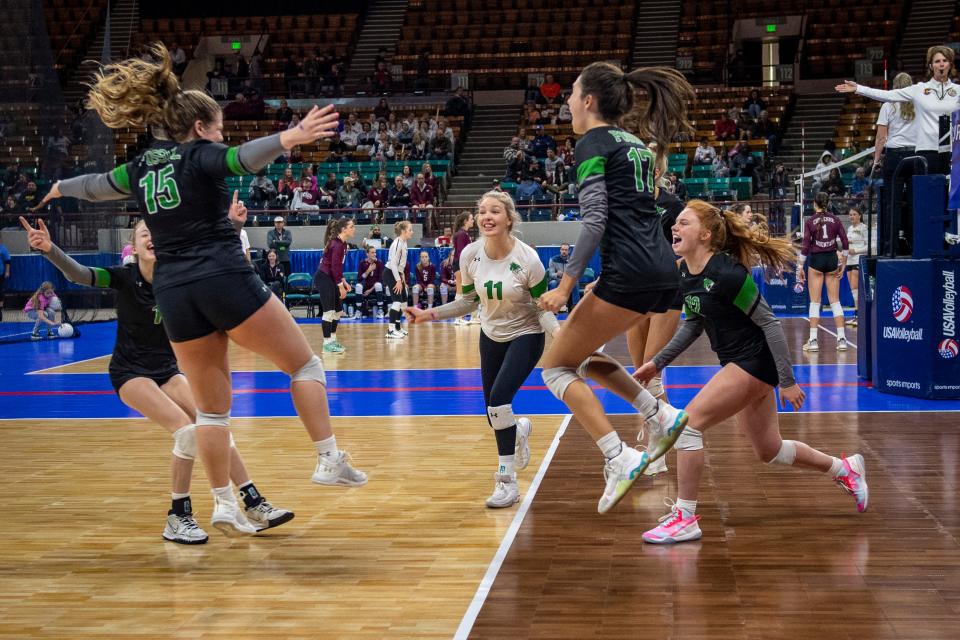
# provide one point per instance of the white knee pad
(185, 442)
(501, 417)
(655, 386)
(330, 316)
(595, 357)
(358, 289)
(444, 289)
(837, 309)
(313, 370)
(558, 379)
(814, 310)
(787, 453)
(417, 289)
(213, 419)
(431, 288)
(378, 287)
(395, 306)
(690, 440)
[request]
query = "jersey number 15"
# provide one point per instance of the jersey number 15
(160, 190)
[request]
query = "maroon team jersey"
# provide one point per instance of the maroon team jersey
(373, 278)
(820, 234)
(425, 276)
(446, 275)
(332, 261)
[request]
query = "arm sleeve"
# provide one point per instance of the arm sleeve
(220, 161)
(95, 187)
(593, 208)
(76, 272)
(896, 95)
(686, 335)
(458, 307)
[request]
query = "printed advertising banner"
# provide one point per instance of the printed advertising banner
(954, 202)
(918, 349)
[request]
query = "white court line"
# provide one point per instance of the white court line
(483, 590)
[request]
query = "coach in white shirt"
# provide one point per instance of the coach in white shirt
(936, 97)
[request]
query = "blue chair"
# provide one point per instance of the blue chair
(299, 292)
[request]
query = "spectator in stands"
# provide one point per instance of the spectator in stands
(564, 115)
(280, 239)
(676, 187)
(382, 110)
(377, 198)
(441, 149)
(358, 182)
(541, 142)
(179, 59)
(381, 78)
(705, 153)
(10, 206)
(262, 190)
(448, 278)
(742, 163)
(768, 130)
(332, 184)
(348, 197)
(421, 201)
(444, 239)
(430, 179)
(384, 127)
(306, 196)
(725, 128)
(511, 151)
(382, 149)
(457, 105)
(552, 162)
(446, 131)
(218, 79)
(549, 91)
(338, 150)
(754, 104)
(566, 152)
(374, 239)
(369, 287)
(555, 270)
(272, 273)
(821, 170)
(424, 278)
(405, 135)
(399, 199)
(420, 146)
(529, 188)
(237, 109)
(29, 197)
(858, 188)
(407, 174)
(366, 139)
(779, 183)
(516, 167)
(286, 187)
(534, 170)
(283, 115)
(833, 185)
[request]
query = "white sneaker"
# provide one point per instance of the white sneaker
(184, 530)
(404, 332)
(522, 454)
(656, 467)
(665, 427)
(266, 516)
(459, 322)
(620, 474)
(842, 344)
(393, 334)
(336, 469)
(811, 346)
(506, 492)
(474, 319)
(229, 519)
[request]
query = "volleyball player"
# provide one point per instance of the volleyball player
(721, 298)
(144, 374)
(504, 277)
(638, 276)
(205, 290)
(821, 232)
(461, 239)
(395, 278)
(425, 275)
(330, 283)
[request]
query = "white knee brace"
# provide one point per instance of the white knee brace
(417, 289)
(358, 289)
(558, 379)
(213, 419)
(501, 417)
(595, 357)
(313, 370)
(185, 442)
(690, 440)
(814, 310)
(378, 287)
(444, 289)
(787, 453)
(330, 316)
(837, 310)
(395, 306)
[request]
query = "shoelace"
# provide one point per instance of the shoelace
(675, 513)
(187, 522)
(615, 467)
(264, 507)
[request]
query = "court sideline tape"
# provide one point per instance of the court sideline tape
(483, 590)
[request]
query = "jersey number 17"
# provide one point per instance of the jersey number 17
(642, 163)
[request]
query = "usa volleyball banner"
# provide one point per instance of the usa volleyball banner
(955, 163)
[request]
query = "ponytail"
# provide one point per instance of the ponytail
(399, 227)
(750, 245)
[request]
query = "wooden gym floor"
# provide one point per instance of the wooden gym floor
(415, 554)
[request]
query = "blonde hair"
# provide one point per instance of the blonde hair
(132, 238)
(34, 299)
(508, 204)
(141, 92)
(399, 227)
(907, 110)
(750, 245)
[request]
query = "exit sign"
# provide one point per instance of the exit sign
(771, 28)
(236, 45)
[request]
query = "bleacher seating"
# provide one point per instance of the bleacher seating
(72, 26)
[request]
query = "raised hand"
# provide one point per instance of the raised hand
(38, 238)
(238, 210)
(319, 123)
(848, 86)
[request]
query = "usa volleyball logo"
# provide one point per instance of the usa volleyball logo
(948, 349)
(902, 304)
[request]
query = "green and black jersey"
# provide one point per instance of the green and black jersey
(615, 174)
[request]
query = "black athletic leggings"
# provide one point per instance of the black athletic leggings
(504, 366)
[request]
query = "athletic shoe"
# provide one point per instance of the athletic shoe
(336, 469)
(474, 319)
(853, 480)
(332, 347)
(266, 516)
(656, 467)
(379, 314)
(852, 322)
(674, 527)
(357, 315)
(229, 519)
(665, 427)
(620, 474)
(184, 530)
(522, 454)
(404, 332)
(51, 334)
(841, 344)
(459, 322)
(393, 334)
(811, 346)
(34, 336)
(506, 492)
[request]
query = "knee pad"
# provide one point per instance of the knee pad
(558, 379)
(431, 288)
(313, 370)
(185, 442)
(787, 453)
(814, 310)
(417, 289)
(212, 419)
(358, 289)
(837, 309)
(690, 440)
(595, 358)
(655, 386)
(501, 417)
(395, 306)
(444, 289)
(330, 316)
(378, 287)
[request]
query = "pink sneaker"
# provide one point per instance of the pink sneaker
(674, 527)
(853, 480)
